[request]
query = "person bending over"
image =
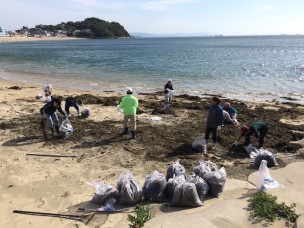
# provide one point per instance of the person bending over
(258, 129)
(48, 112)
(72, 102)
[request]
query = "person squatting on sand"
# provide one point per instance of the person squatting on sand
(258, 129)
(72, 102)
(214, 120)
(168, 88)
(48, 112)
(129, 104)
(230, 114)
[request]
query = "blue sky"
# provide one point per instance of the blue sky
(227, 17)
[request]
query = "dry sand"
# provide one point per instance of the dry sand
(58, 185)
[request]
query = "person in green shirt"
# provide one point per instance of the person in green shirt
(129, 104)
(258, 129)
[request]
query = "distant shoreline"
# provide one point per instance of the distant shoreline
(25, 39)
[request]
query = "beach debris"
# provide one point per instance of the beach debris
(154, 187)
(66, 216)
(172, 183)
(252, 151)
(216, 181)
(202, 186)
(104, 193)
(175, 169)
(265, 155)
(185, 195)
(66, 129)
(204, 167)
(264, 180)
(199, 145)
(15, 87)
(52, 155)
(156, 118)
(85, 113)
(130, 192)
(39, 96)
(17, 114)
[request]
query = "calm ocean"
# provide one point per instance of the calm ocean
(238, 67)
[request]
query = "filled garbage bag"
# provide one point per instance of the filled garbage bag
(130, 192)
(66, 129)
(264, 180)
(265, 155)
(154, 187)
(204, 167)
(199, 145)
(252, 151)
(216, 181)
(175, 169)
(104, 192)
(85, 113)
(172, 183)
(185, 195)
(202, 186)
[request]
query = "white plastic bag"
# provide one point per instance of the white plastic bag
(154, 187)
(264, 180)
(130, 193)
(202, 169)
(175, 169)
(119, 109)
(156, 118)
(199, 144)
(85, 113)
(252, 151)
(185, 195)
(265, 155)
(104, 192)
(66, 129)
(216, 181)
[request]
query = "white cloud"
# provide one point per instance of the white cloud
(266, 8)
(163, 5)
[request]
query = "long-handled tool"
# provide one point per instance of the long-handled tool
(66, 216)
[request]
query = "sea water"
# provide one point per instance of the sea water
(261, 67)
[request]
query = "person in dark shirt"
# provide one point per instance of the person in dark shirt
(258, 129)
(72, 102)
(48, 112)
(168, 89)
(214, 120)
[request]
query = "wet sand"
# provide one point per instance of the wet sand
(58, 185)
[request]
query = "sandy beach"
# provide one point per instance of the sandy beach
(59, 184)
(24, 39)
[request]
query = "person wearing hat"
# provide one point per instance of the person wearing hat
(48, 112)
(258, 129)
(214, 120)
(168, 88)
(229, 114)
(129, 104)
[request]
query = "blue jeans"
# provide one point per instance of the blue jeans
(50, 117)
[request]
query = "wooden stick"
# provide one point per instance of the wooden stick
(67, 216)
(52, 155)
(99, 211)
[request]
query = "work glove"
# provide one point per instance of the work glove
(235, 143)
(219, 128)
(79, 114)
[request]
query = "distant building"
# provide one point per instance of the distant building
(2, 32)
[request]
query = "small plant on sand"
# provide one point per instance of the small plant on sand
(266, 207)
(142, 215)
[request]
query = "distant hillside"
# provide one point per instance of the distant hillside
(89, 28)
